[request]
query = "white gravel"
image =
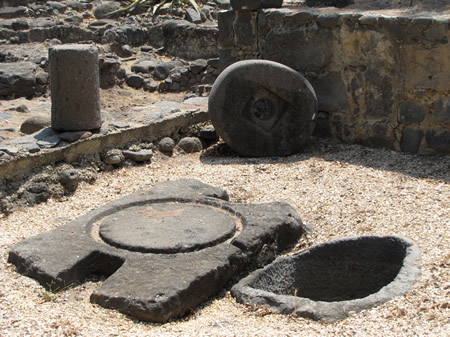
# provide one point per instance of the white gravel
(339, 190)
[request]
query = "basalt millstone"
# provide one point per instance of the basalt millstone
(262, 108)
(329, 280)
(162, 251)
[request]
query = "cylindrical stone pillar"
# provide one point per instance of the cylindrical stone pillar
(75, 87)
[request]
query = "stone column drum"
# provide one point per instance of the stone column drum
(75, 87)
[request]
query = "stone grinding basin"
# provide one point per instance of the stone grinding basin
(329, 280)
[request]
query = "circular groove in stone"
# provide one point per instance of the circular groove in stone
(167, 228)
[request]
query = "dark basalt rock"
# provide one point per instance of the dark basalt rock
(262, 108)
(163, 251)
(329, 280)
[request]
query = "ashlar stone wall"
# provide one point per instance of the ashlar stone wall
(382, 77)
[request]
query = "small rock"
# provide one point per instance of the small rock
(35, 123)
(75, 19)
(36, 193)
(193, 16)
(119, 125)
(138, 156)
(114, 156)
(144, 66)
(102, 11)
(33, 148)
(48, 143)
(198, 66)
(163, 69)
(150, 86)
(190, 144)
(12, 12)
(69, 179)
(135, 81)
(22, 108)
(208, 133)
(73, 136)
(60, 7)
(166, 144)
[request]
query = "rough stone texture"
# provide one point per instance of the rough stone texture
(190, 144)
(138, 156)
(190, 41)
(69, 179)
(252, 5)
(35, 123)
(149, 286)
(18, 79)
(75, 87)
(329, 280)
(356, 62)
(101, 11)
(262, 108)
(166, 144)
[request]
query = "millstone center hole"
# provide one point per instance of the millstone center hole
(263, 109)
(337, 272)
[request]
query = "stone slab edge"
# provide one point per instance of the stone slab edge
(329, 311)
(97, 143)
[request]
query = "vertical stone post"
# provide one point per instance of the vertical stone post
(75, 87)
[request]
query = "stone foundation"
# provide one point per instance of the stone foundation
(381, 77)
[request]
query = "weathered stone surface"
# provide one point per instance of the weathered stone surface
(135, 81)
(208, 133)
(329, 280)
(114, 156)
(355, 62)
(101, 11)
(75, 87)
(12, 12)
(411, 139)
(198, 66)
(327, 3)
(109, 66)
(69, 179)
(193, 16)
(73, 136)
(35, 123)
(191, 41)
(262, 108)
(18, 79)
(144, 66)
(190, 144)
(166, 144)
(253, 5)
(138, 156)
(162, 70)
(150, 286)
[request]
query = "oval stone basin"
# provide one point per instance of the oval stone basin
(329, 280)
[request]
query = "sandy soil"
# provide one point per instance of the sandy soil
(339, 190)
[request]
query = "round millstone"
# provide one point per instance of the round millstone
(263, 108)
(167, 228)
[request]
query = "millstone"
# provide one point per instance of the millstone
(167, 228)
(262, 108)
(162, 251)
(329, 280)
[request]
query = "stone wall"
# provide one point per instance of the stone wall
(382, 77)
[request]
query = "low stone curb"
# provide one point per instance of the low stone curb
(96, 143)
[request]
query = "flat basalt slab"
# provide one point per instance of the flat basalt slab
(162, 251)
(329, 280)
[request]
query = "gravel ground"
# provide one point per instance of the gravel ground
(339, 190)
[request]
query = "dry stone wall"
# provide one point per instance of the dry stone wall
(381, 77)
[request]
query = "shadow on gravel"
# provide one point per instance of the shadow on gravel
(428, 167)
